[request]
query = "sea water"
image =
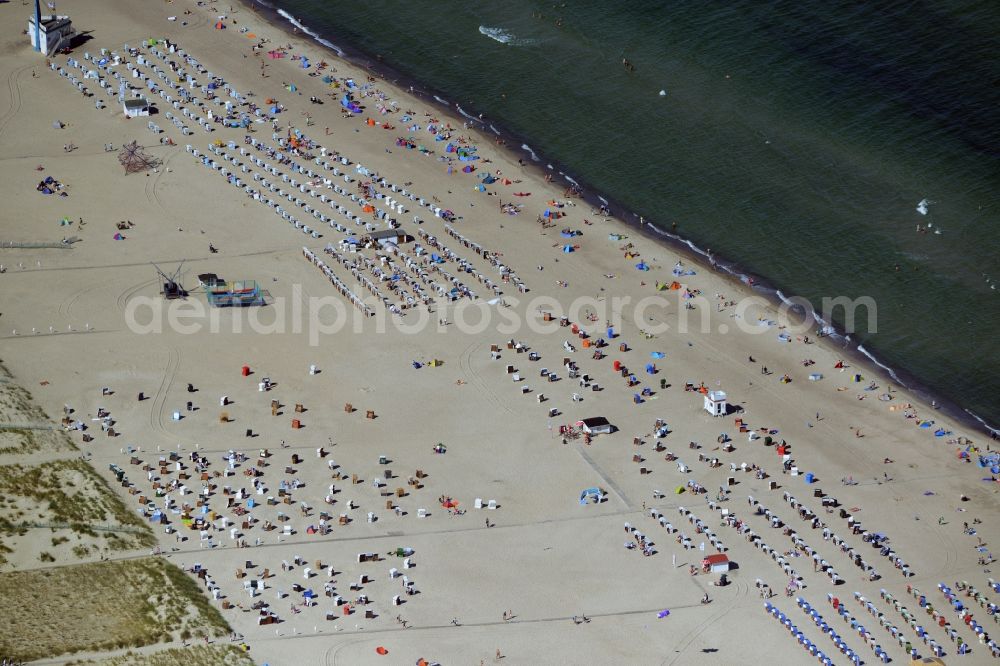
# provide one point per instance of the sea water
(796, 139)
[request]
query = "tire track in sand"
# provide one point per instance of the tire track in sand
(465, 363)
(15, 97)
(330, 658)
(691, 636)
(160, 398)
(66, 306)
(150, 187)
(125, 295)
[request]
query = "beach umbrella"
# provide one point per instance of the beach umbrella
(657, 354)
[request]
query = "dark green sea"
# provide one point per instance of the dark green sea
(795, 139)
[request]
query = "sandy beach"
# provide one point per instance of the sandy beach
(453, 403)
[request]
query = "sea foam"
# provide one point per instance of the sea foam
(871, 357)
(496, 34)
(298, 24)
(505, 37)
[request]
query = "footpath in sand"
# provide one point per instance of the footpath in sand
(318, 472)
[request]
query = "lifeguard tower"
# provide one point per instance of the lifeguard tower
(715, 403)
(49, 33)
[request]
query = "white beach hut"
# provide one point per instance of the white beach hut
(715, 403)
(135, 108)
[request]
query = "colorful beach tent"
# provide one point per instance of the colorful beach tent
(351, 106)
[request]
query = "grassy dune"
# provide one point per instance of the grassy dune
(102, 606)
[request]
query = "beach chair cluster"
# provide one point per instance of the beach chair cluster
(405, 282)
(797, 634)
(911, 620)
(495, 259)
(412, 276)
(345, 291)
(805, 513)
(966, 617)
(775, 554)
(170, 475)
(828, 631)
(896, 633)
(357, 267)
(437, 259)
(701, 528)
(363, 263)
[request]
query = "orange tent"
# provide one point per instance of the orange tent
(371, 122)
(220, 26)
(675, 286)
(369, 209)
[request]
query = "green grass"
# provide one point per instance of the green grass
(67, 492)
(196, 655)
(17, 407)
(102, 606)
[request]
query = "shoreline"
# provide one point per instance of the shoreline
(336, 482)
(704, 259)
